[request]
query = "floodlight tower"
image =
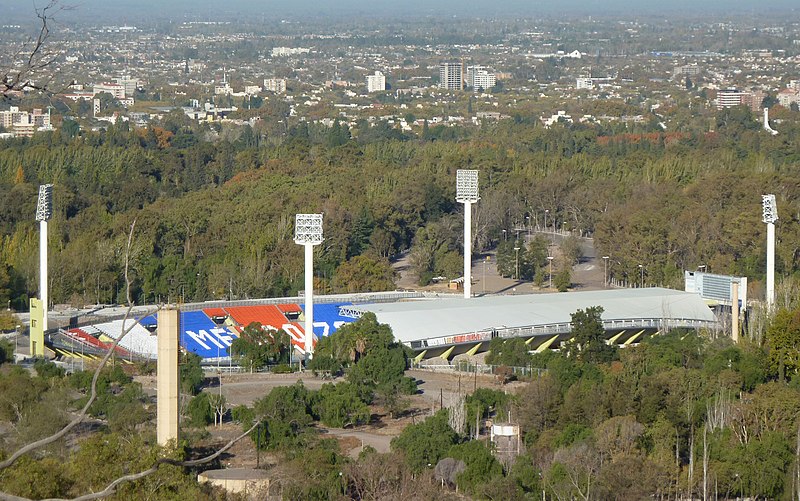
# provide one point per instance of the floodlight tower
(308, 233)
(44, 211)
(769, 216)
(467, 194)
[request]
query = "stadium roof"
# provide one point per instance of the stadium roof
(429, 318)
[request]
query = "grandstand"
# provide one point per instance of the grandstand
(430, 324)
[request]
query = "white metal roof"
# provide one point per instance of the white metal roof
(428, 318)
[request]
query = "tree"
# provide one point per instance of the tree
(481, 466)
(364, 274)
(339, 405)
(424, 444)
(588, 343)
(286, 415)
(783, 343)
(256, 346)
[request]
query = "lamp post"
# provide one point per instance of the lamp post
(605, 271)
(641, 269)
(770, 216)
(546, 211)
(467, 194)
(550, 275)
(516, 260)
(308, 233)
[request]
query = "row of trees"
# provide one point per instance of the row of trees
(215, 216)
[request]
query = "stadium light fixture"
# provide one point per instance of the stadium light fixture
(769, 214)
(467, 194)
(308, 233)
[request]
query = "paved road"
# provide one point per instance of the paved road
(587, 275)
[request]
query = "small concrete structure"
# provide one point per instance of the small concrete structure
(252, 483)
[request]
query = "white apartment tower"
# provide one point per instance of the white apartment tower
(728, 98)
(451, 76)
(480, 78)
(376, 82)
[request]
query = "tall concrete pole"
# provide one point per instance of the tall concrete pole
(308, 233)
(735, 311)
(167, 378)
(309, 300)
(467, 194)
(769, 209)
(770, 265)
(467, 250)
(44, 211)
(43, 271)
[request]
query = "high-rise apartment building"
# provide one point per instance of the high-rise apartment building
(376, 82)
(276, 85)
(451, 76)
(728, 98)
(480, 78)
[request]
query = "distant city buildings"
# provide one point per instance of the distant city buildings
(289, 51)
(584, 83)
(728, 98)
(376, 82)
(451, 76)
(276, 85)
(689, 70)
(23, 123)
(480, 78)
(116, 90)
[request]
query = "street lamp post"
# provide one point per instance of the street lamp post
(516, 260)
(641, 270)
(605, 271)
(550, 275)
(546, 211)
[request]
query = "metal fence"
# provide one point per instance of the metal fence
(466, 367)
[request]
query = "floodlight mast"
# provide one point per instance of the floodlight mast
(467, 194)
(44, 211)
(770, 216)
(308, 233)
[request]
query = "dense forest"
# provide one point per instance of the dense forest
(214, 210)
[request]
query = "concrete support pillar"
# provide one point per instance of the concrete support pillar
(735, 311)
(168, 378)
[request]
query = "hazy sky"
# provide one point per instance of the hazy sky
(120, 10)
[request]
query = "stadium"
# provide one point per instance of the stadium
(431, 325)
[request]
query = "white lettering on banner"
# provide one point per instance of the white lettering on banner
(203, 335)
(223, 335)
(325, 327)
(294, 331)
(339, 323)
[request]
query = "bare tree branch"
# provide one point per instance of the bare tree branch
(16, 77)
